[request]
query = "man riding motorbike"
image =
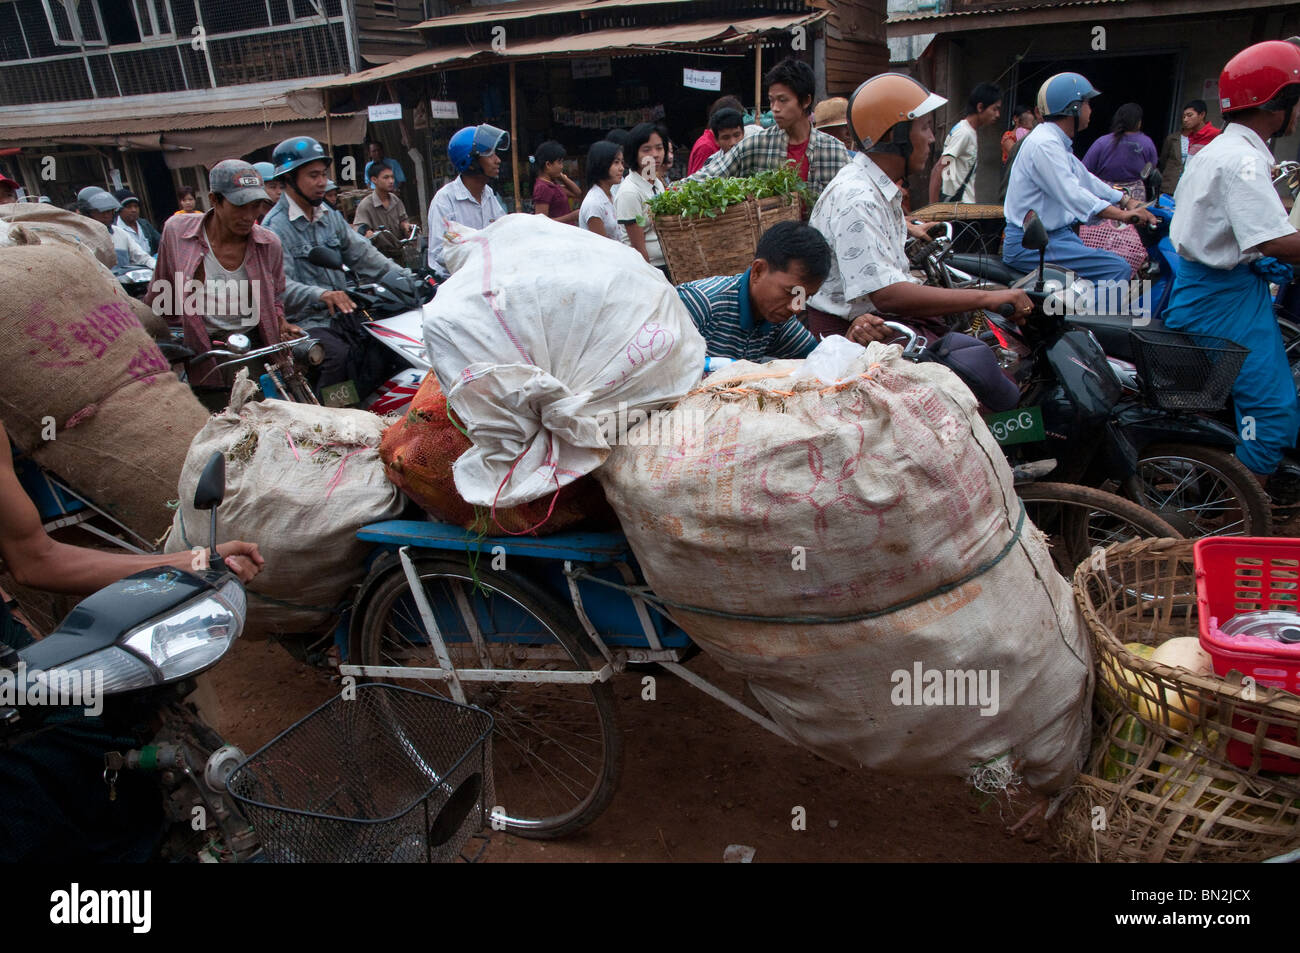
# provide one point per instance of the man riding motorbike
(861, 215)
(468, 198)
(316, 296)
(1232, 232)
(1049, 179)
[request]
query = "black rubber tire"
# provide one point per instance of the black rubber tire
(1063, 511)
(508, 704)
(1253, 510)
(1291, 341)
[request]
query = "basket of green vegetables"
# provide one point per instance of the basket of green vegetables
(712, 227)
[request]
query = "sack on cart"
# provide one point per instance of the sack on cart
(542, 331)
(300, 481)
(420, 449)
(860, 555)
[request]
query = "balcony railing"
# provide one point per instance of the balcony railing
(229, 59)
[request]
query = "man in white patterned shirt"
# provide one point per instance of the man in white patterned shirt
(861, 215)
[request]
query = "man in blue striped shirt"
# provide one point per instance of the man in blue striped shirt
(754, 315)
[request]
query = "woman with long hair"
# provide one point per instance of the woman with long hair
(1120, 157)
(604, 171)
(552, 188)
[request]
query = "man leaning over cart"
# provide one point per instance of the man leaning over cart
(790, 264)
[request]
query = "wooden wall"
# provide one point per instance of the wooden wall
(855, 42)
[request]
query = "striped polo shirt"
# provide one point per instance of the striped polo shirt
(721, 310)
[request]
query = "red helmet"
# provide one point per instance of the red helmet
(1257, 74)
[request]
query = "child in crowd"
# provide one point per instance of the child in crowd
(553, 189)
(604, 171)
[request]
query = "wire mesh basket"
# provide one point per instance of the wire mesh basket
(390, 776)
(1186, 372)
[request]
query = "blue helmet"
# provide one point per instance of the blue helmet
(296, 152)
(474, 141)
(265, 170)
(1062, 94)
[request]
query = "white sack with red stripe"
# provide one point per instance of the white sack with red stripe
(542, 335)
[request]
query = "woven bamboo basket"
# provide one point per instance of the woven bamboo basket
(1158, 785)
(703, 247)
(957, 212)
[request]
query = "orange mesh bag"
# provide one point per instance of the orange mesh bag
(418, 452)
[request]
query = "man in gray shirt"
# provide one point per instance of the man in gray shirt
(315, 297)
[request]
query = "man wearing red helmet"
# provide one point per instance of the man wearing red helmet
(1233, 235)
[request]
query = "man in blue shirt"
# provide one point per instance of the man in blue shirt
(755, 315)
(1048, 179)
(376, 153)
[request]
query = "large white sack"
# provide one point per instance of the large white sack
(300, 481)
(540, 330)
(766, 495)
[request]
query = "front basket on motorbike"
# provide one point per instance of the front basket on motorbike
(1186, 371)
(386, 775)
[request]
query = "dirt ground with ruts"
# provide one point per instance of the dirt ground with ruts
(697, 777)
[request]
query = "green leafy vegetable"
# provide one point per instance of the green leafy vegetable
(708, 199)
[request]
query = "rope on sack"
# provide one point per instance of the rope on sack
(979, 570)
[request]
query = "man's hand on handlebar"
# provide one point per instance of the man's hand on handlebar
(289, 331)
(1012, 303)
(241, 558)
(921, 230)
(338, 301)
(869, 327)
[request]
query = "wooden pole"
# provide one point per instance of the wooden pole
(758, 78)
(514, 141)
(329, 133)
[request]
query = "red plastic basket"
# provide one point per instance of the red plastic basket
(1236, 574)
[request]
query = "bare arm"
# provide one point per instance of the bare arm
(38, 561)
(919, 301)
(1286, 248)
(596, 226)
(936, 178)
(636, 238)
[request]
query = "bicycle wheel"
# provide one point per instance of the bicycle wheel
(1079, 519)
(557, 746)
(1202, 491)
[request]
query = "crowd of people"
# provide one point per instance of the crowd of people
(855, 156)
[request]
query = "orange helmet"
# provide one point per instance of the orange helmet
(1258, 74)
(884, 101)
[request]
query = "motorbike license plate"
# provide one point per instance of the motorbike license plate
(1019, 425)
(340, 395)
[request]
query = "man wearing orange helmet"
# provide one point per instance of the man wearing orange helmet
(861, 215)
(1231, 230)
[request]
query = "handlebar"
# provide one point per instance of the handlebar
(259, 352)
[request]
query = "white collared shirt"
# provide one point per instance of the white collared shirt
(860, 213)
(454, 203)
(1225, 203)
(962, 148)
(296, 212)
(1049, 179)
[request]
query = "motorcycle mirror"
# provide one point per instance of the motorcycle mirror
(239, 343)
(323, 257)
(212, 483)
(1035, 238)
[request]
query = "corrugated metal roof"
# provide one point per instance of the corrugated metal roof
(640, 38)
(1008, 8)
(515, 11)
(255, 116)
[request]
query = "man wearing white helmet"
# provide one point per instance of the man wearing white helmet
(1049, 179)
(95, 203)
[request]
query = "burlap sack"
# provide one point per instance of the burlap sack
(85, 388)
(300, 481)
(54, 224)
(856, 538)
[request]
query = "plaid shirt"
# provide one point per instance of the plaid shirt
(767, 150)
(180, 255)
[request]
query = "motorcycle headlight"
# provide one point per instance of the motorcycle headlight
(183, 643)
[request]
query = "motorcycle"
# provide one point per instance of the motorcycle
(1076, 410)
(287, 365)
(143, 639)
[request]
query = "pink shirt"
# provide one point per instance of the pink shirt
(553, 196)
(180, 254)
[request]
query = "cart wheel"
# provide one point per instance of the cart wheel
(557, 747)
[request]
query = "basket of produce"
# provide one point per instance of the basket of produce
(712, 227)
(1160, 783)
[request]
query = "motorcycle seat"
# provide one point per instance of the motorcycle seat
(985, 266)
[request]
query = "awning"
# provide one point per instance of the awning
(192, 138)
(1044, 13)
(666, 38)
(518, 11)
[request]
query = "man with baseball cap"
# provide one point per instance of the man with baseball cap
(8, 190)
(94, 202)
(129, 220)
(221, 272)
